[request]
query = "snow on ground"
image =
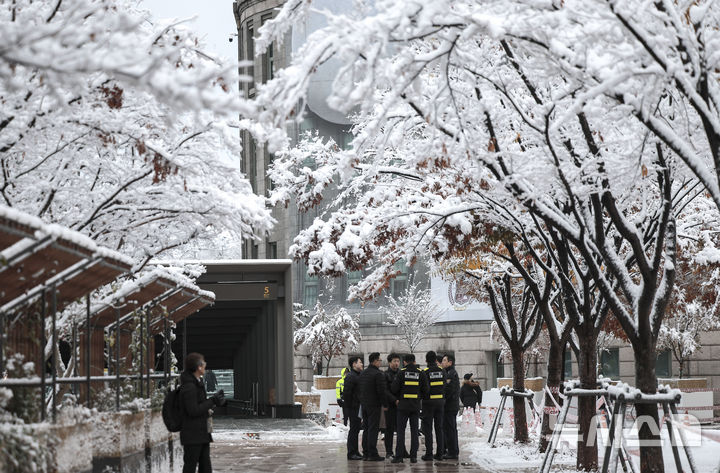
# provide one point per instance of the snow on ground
(300, 430)
(508, 457)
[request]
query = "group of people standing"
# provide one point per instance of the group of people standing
(406, 395)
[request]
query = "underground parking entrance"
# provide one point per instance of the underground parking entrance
(246, 336)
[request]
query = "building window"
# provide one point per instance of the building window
(400, 282)
(271, 250)
(250, 53)
(353, 278)
(252, 160)
(610, 363)
(268, 60)
(269, 158)
(567, 364)
(499, 366)
(310, 291)
(663, 367)
(254, 252)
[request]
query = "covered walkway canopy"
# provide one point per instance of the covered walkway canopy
(46, 269)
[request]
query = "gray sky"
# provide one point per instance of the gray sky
(214, 21)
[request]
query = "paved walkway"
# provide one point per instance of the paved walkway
(281, 445)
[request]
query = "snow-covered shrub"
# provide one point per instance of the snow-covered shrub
(25, 402)
(413, 313)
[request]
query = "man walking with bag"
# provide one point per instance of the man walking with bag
(195, 434)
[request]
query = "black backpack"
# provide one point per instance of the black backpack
(172, 409)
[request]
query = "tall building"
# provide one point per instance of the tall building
(465, 329)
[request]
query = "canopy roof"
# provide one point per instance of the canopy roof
(35, 257)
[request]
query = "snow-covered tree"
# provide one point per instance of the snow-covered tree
(519, 322)
(331, 331)
(695, 306)
(413, 313)
(561, 107)
(116, 125)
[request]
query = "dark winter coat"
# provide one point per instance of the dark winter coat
(351, 390)
(390, 376)
(452, 389)
(195, 406)
(470, 394)
(372, 387)
(399, 388)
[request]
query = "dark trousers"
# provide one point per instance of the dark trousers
(371, 419)
(450, 431)
(197, 458)
(402, 420)
(390, 429)
(354, 432)
(432, 416)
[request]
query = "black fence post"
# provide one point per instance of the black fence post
(117, 360)
(55, 353)
(42, 354)
(88, 334)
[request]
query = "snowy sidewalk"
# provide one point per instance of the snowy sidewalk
(280, 445)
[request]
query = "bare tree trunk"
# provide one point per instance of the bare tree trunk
(554, 376)
(651, 457)
(521, 428)
(587, 458)
(327, 368)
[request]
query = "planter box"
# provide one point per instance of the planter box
(325, 382)
(310, 402)
(684, 383)
(533, 384)
(118, 433)
(155, 430)
(69, 450)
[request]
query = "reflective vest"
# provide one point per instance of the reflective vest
(436, 379)
(411, 383)
(340, 383)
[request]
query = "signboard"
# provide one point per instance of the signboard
(255, 291)
(452, 297)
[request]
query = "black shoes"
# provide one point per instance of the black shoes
(427, 458)
(413, 459)
(450, 457)
(389, 455)
(438, 457)
(376, 459)
(355, 457)
(397, 460)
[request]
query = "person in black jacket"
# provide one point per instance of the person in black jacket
(372, 399)
(470, 392)
(351, 403)
(195, 434)
(452, 405)
(391, 409)
(408, 387)
(432, 407)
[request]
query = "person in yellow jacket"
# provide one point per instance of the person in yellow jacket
(339, 391)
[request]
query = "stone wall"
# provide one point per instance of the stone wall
(473, 349)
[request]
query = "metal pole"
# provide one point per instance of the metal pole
(2, 345)
(74, 354)
(42, 354)
(681, 434)
(142, 361)
(555, 438)
(166, 351)
(55, 353)
(88, 334)
(117, 360)
(184, 339)
(611, 434)
(147, 353)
